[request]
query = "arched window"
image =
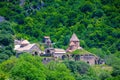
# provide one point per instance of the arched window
(36, 53)
(48, 51)
(63, 57)
(88, 62)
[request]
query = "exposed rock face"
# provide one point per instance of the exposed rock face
(2, 19)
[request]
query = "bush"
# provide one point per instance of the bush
(87, 7)
(98, 13)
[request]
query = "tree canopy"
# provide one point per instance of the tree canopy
(6, 41)
(28, 67)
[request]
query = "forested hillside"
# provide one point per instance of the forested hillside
(6, 41)
(95, 22)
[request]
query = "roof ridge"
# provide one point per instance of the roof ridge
(74, 37)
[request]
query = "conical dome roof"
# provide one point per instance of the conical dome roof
(74, 37)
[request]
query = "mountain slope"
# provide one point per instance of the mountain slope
(97, 23)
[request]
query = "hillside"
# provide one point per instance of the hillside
(95, 22)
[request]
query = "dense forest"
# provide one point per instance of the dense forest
(95, 22)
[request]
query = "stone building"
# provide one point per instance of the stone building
(74, 44)
(85, 56)
(47, 42)
(58, 53)
(55, 52)
(24, 46)
(88, 58)
(50, 50)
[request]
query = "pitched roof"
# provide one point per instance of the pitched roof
(57, 50)
(74, 37)
(46, 37)
(26, 48)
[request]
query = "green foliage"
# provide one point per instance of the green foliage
(87, 7)
(113, 60)
(86, 77)
(81, 70)
(5, 68)
(102, 72)
(57, 70)
(99, 52)
(80, 51)
(77, 67)
(28, 67)
(114, 78)
(6, 41)
(98, 13)
(97, 23)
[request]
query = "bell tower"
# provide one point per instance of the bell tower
(47, 41)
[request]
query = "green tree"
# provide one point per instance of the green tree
(27, 67)
(6, 41)
(57, 70)
(113, 61)
(77, 66)
(87, 7)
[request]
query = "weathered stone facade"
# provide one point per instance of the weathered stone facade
(86, 57)
(74, 44)
(51, 51)
(58, 53)
(47, 42)
(24, 46)
(89, 58)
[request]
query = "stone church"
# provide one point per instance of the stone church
(86, 57)
(74, 44)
